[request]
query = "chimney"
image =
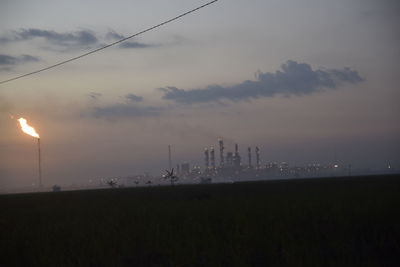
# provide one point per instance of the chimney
(257, 157)
(206, 159)
(249, 155)
(221, 152)
(212, 154)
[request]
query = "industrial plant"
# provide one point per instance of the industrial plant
(232, 166)
(227, 165)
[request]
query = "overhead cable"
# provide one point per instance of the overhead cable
(111, 44)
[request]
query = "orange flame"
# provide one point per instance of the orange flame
(27, 129)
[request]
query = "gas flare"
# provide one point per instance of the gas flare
(27, 128)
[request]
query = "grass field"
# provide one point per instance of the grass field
(351, 221)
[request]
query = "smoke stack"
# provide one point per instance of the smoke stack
(206, 159)
(257, 157)
(249, 155)
(212, 154)
(221, 153)
(236, 157)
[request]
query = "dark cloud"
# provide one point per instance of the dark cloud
(131, 108)
(134, 98)
(77, 38)
(114, 36)
(294, 79)
(29, 58)
(68, 39)
(7, 60)
(125, 110)
(132, 44)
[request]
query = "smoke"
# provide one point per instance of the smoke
(294, 78)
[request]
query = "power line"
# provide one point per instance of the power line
(112, 44)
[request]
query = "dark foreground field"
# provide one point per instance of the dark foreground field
(316, 222)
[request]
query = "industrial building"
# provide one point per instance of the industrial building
(232, 167)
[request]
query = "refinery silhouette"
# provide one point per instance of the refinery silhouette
(232, 166)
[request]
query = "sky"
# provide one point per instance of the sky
(306, 81)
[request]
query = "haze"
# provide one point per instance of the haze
(307, 81)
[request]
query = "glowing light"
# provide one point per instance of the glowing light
(27, 128)
(336, 166)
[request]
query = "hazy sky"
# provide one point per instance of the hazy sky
(307, 81)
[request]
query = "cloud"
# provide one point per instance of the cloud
(73, 39)
(293, 79)
(127, 44)
(7, 60)
(94, 95)
(135, 45)
(134, 98)
(77, 38)
(125, 110)
(114, 35)
(130, 108)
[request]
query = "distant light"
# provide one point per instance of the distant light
(335, 165)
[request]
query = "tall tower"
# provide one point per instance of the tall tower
(221, 152)
(212, 155)
(236, 157)
(249, 156)
(206, 159)
(257, 157)
(229, 159)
